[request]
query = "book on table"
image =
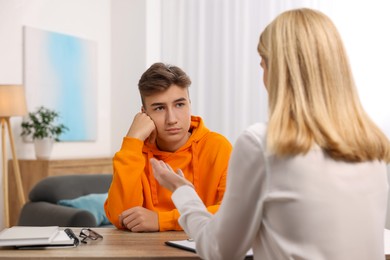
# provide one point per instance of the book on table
(31, 236)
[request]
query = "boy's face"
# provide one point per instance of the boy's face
(171, 113)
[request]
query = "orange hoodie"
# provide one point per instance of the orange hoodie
(203, 159)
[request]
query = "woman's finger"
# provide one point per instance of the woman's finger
(180, 172)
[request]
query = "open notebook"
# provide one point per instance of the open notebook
(35, 237)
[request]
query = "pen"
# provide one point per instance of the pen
(71, 234)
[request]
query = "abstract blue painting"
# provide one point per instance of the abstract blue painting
(60, 72)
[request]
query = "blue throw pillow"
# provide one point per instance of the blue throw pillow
(93, 203)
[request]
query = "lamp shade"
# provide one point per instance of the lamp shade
(12, 101)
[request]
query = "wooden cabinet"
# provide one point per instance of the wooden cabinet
(32, 171)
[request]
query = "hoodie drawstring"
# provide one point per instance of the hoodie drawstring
(153, 184)
(195, 164)
(195, 172)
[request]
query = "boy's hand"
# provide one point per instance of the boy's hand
(142, 128)
(165, 175)
(139, 219)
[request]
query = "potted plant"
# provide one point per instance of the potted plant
(41, 125)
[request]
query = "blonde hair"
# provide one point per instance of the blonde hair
(312, 94)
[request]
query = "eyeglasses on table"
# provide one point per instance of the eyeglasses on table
(87, 233)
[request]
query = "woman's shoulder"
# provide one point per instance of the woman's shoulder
(257, 130)
(253, 135)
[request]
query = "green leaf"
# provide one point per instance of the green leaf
(43, 123)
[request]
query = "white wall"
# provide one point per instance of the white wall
(128, 52)
(364, 29)
(89, 19)
(135, 46)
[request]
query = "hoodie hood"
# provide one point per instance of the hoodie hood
(198, 130)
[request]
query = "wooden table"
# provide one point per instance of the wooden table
(116, 244)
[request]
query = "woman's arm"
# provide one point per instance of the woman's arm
(230, 232)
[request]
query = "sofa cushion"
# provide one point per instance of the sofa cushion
(55, 188)
(93, 203)
(44, 213)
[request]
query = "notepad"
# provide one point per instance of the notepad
(21, 236)
(189, 245)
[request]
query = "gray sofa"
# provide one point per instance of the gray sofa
(43, 210)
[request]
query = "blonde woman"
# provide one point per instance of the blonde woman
(310, 184)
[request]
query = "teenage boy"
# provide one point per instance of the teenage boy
(165, 130)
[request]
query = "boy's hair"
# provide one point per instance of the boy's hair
(312, 95)
(159, 77)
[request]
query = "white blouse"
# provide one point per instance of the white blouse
(302, 207)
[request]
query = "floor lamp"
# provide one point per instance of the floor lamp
(12, 103)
